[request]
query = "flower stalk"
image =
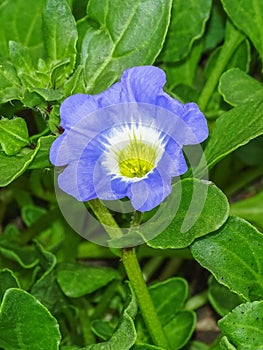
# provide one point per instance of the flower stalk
(134, 273)
(144, 300)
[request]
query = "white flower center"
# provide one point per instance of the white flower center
(133, 152)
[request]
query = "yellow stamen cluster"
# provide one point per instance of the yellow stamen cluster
(137, 159)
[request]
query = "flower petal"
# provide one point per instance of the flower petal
(76, 107)
(196, 122)
(172, 162)
(142, 84)
(77, 185)
(150, 192)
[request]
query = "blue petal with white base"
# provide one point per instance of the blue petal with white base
(126, 141)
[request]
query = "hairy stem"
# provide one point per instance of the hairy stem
(134, 273)
(140, 289)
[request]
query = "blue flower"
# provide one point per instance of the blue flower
(126, 141)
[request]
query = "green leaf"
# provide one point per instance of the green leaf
(33, 80)
(244, 326)
(187, 25)
(145, 347)
(75, 84)
(246, 15)
(13, 135)
(215, 28)
(222, 299)
(7, 280)
(251, 153)
(180, 329)
(225, 345)
(183, 72)
(234, 256)
(77, 280)
(21, 21)
(121, 34)
(125, 335)
(239, 125)
(10, 86)
(60, 37)
(237, 87)
(26, 324)
(169, 297)
(21, 59)
(102, 329)
(250, 209)
(203, 208)
(31, 213)
(46, 288)
(41, 159)
(49, 94)
(196, 345)
(24, 256)
(11, 167)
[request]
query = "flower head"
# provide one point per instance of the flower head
(126, 141)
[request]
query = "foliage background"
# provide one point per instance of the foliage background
(59, 291)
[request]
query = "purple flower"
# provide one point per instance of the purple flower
(126, 141)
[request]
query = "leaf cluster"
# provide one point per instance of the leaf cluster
(58, 290)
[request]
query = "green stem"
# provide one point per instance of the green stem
(105, 218)
(140, 289)
(134, 273)
(233, 40)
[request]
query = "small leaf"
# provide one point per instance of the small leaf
(234, 256)
(237, 87)
(41, 159)
(60, 37)
(180, 329)
(196, 345)
(203, 208)
(11, 167)
(21, 59)
(215, 28)
(121, 34)
(239, 125)
(183, 72)
(222, 299)
(125, 334)
(225, 345)
(187, 25)
(145, 347)
(169, 297)
(13, 135)
(75, 84)
(21, 21)
(77, 280)
(49, 94)
(10, 85)
(246, 15)
(26, 324)
(31, 213)
(250, 209)
(7, 280)
(244, 326)
(24, 256)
